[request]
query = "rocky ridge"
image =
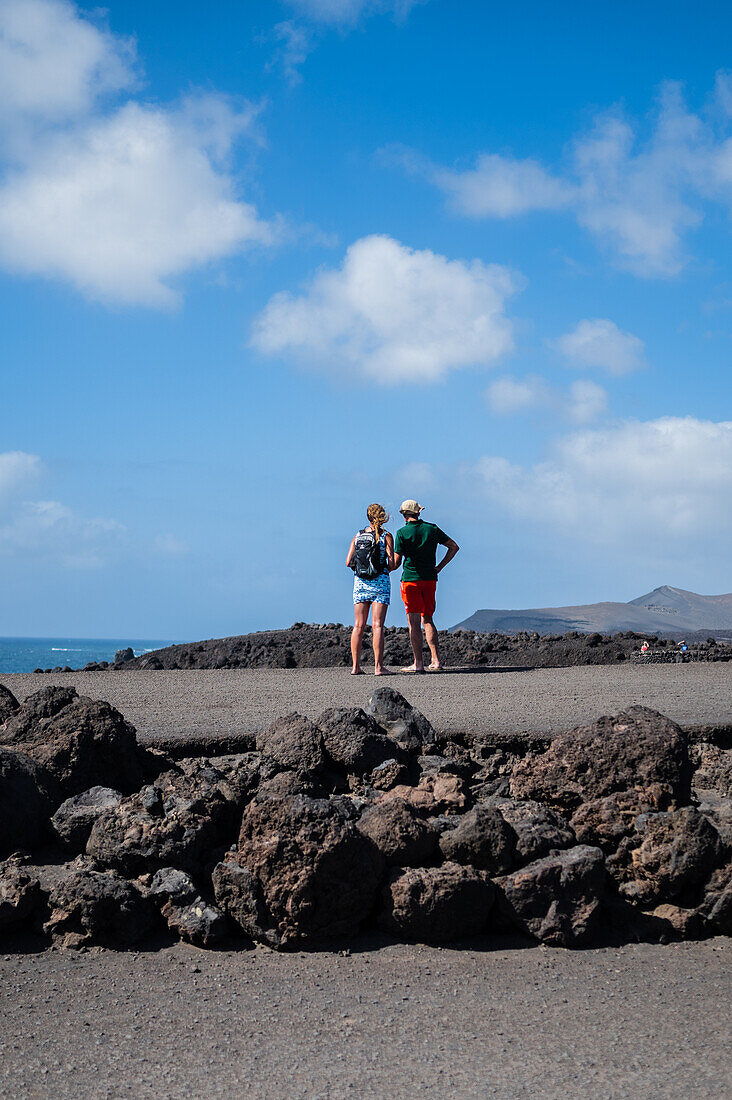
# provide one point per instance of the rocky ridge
(617, 830)
(313, 645)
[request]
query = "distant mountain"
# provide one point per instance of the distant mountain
(667, 611)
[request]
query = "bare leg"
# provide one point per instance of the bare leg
(415, 637)
(430, 633)
(361, 613)
(378, 618)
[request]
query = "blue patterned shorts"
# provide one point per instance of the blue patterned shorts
(376, 591)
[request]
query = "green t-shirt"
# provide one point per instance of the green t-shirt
(418, 543)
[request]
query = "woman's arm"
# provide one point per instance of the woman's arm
(349, 556)
(390, 559)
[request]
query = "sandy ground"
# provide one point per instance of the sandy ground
(387, 1021)
(208, 701)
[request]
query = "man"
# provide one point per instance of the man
(416, 543)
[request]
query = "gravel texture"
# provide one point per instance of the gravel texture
(386, 1020)
(201, 702)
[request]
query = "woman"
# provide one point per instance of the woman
(374, 591)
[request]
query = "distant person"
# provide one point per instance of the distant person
(416, 544)
(371, 557)
(645, 647)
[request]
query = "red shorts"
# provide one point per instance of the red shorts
(419, 597)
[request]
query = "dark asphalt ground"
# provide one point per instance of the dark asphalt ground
(207, 701)
(396, 1021)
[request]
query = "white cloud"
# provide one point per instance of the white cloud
(171, 546)
(16, 468)
(509, 396)
(393, 314)
(297, 43)
(501, 187)
(55, 64)
(659, 479)
(348, 12)
(127, 203)
(637, 196)
(121, 201)
(600, 343)
(51, 530)
(586, 401)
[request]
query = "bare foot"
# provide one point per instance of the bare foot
(412, 668)
(434, 667)
(357, 672)
(382, 672)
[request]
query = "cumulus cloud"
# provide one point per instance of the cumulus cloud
(509, 396)
(120, 201)
(600, 343)
(637, 195)
(54, 65)
(665, 478)
(392, 314)
(16, 468)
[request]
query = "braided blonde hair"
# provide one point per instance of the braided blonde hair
(377, 517)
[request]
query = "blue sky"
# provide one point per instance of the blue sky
(263, 263)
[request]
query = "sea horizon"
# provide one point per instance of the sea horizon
(19, 653)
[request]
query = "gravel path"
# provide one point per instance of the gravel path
(400, 1021)
(207, 701)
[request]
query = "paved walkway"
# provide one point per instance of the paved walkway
(164, 704)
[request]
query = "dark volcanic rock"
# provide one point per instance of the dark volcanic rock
(436, 904)
(481, 839)
(434, 795)
(401, 720)
(556, 899)
(667, 855)
(713, 769)
(122, 656)
(83, 742)
(538, 829)
(293, 744)
(717, 903)
(99, 907)
(72, 823)
(605, 821)
(8, 704)
(637, 748)
(718, 810)
(185, 912)
(199, 922)
(179, 820)
(27, 796)
(354, 741)
(399, 833)
(20, 893)
(302, 872)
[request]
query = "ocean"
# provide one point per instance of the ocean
(27, 654)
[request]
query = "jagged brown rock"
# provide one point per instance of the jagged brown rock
(481, 838)
(20, 893)
(556, 899)
(8, 704)
(435, 794)
(355, 742)
(538, 829)
(402, 837)
(302, 873)
(88, 906)
(72, 823)
(82, 742)
(667, 855)
(179, 820)
(403, 722)
(28, 794)
(293, 744)
(713, 769)
(436, 904)
(716, 904)
(636, 748)
(605, 821)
